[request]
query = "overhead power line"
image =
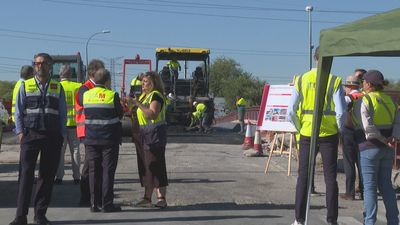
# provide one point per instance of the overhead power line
(109, 6)
(124, 44)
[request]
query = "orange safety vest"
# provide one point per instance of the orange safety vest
(80, 113)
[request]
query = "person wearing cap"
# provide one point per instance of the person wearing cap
(70, 90)
(301, 115)
(350, 148)
(378, 122)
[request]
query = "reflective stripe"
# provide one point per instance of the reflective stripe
(80, 111)
(328, 111)
(380, 100)
(370, 105)
(102, 122)
(51, 94)
(40, 110)
(104, 106)
(330, 96)
(80, 124)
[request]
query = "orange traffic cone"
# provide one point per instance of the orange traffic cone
(257, 142)
(248, 139)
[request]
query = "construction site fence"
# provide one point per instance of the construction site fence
(251, 114)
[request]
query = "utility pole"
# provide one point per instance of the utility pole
(112, 69)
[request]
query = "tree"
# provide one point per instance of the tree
(228, 79)
(6, 89)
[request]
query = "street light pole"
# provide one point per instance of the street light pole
(311, 160)
(309, 9)
(87, 43)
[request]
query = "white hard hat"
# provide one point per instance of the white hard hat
(194, 103)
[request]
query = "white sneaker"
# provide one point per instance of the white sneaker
(297, 223)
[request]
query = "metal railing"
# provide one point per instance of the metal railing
(251, 114)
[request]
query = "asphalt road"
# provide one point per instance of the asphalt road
(211, 182)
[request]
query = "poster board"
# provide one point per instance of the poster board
(274, 109)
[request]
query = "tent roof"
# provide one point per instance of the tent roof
(377, 35)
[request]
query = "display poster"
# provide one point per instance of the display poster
(274, 109)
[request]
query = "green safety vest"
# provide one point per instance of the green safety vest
(173, 65)
(70, 89)
(241, 104)
(381, 108)
(200, 108)
(14, 98)
(306, 87)
(148, 123)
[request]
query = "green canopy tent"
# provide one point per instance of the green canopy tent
(377, 35)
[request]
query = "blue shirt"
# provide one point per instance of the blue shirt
(20, 108)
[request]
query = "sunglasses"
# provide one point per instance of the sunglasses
(40, 63)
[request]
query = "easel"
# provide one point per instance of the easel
(280, 149)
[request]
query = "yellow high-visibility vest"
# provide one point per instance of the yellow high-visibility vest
(306, 87)
(143, 121)
(14, 98)
(70, 89)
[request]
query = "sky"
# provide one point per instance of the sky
(268, 38)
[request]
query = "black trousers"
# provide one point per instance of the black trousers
(103, 161)
(50, 150)
(84, 184)
(351, 161)
(328, 147)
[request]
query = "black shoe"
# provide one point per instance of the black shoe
(41, 220)
(20, 220)
(77, 181)
(111, 208)
(58, 181)
(94, 208)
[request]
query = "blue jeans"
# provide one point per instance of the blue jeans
(376, 169)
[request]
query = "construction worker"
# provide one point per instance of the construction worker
(197, 116)
(350, 147)
(40, 118)
(174, 66)
(26, 73)
(93, 66)
(378, 119)
(197, 82)
(70, 90)
(241, 110)
(301, 115)
(136, 92)
(103, 112)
